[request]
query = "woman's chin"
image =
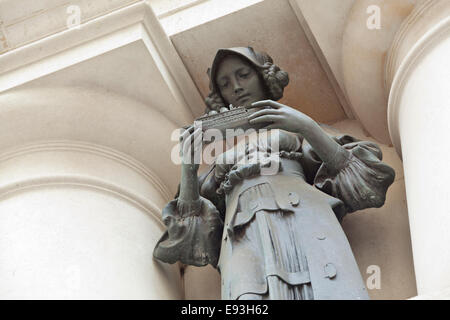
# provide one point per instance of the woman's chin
(245, 101)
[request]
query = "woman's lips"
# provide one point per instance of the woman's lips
(245, 96)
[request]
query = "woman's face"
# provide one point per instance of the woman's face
(238, 82)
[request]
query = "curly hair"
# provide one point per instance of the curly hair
(274, 78)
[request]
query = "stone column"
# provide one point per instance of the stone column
(80, 207)
(419, 114)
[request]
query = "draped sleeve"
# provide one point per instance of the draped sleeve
(357, 176)
(194, 229)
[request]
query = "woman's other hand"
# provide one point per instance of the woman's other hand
(191, 147)
(280, 116)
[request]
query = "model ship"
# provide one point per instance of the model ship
(234, 118)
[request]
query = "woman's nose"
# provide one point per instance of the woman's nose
(237, 87)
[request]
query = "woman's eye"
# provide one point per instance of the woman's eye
(244, 75)
(223, 84)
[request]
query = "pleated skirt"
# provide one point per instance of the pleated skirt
(269, 238)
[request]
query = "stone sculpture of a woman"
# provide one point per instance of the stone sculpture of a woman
(273, 236)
